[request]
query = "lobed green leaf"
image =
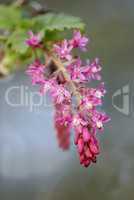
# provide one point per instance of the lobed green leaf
(59, 22)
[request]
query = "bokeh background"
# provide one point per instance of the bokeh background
(32, 167)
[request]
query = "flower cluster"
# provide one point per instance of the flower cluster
(62, 122)
(64, 76)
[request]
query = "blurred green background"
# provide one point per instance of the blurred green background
(31, 165)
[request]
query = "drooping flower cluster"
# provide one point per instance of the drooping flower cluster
(62, 122)
(65, 78)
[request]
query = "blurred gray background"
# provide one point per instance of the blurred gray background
(32, 167)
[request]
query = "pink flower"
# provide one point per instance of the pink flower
(36, 72)
(74, 69)
(33, 40)
(79, 41)
(87, 147)
(86, 135)
(62, 119)
(87, 103)
(63, 50)
(91, 70)
(92, 97)
(78, 122)
(100, 91)
(62, 134)
(84, 73)
(47, 85)
(85, 139)
(60, 94)
(64, 114)
(99, 119)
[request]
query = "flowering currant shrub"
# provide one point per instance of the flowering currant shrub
(55, 65)
(64, 76)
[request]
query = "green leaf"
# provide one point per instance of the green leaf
(54, 35)
(26, 23)
(17, 41)
(59, 22)
(9, 17)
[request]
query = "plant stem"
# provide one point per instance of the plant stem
(61, 68)
(50, 57)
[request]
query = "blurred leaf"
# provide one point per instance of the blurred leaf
(26, 23)
(17, 41)
(9, 16)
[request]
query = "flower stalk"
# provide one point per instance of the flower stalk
(61, 68)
